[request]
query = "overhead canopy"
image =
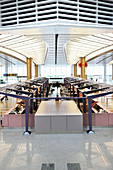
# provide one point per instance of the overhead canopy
(22, 47)
(90, 46)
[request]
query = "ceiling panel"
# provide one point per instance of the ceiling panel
(102, 60)
(7, 59)
(77, 46)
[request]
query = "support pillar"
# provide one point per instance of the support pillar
(27, 117)
(36, 70)
(112, 71)
(105, 73)
(75, 70)
(29, 68)
(6, 70)
(83, 67)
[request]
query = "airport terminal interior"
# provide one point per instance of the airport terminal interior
(56, 84)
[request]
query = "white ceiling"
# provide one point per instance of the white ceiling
(22, 47)
(50, 40)
(10, 60)
(102, 60)
(28, 28)
(89, 47)
(70, 47)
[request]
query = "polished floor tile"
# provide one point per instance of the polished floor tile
(22, 152)
(90, 151)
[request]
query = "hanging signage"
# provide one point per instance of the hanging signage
(10, 74)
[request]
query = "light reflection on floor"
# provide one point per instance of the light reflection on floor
(91, 151)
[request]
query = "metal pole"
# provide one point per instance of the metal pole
(40, 93)
(43, 90)
(70, 89)
(73, 92)
(31, 105)
(78, 100)
(27, 117)
(90, 115)
(84, 104)
(36, 99)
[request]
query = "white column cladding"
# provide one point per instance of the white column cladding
(112, 71)
(105, 73)
(39, 70)
(72, 70)
(6, 70)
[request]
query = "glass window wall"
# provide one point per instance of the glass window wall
(55, 71)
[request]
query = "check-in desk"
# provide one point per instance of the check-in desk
(58, 117)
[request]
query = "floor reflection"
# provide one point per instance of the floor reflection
(18, 151)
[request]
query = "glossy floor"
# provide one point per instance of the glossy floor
(29, 152)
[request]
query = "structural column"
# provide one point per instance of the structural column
(36, 70)
(83, 67)
(29, 68)
(105, 73)
(112, 71)
(6, 69)
(75, 70)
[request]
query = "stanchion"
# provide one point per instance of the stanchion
(90, 131)
(27, 117)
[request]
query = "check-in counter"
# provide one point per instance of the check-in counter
(58, 117)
